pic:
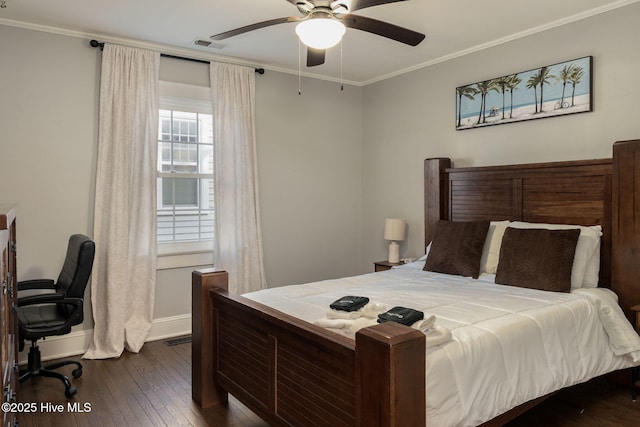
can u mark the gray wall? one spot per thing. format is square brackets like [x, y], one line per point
[48, 143]
[309, 168]
[412, 117]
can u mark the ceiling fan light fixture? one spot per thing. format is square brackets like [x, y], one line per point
[320, 33]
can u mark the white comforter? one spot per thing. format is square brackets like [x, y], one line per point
[509, 345]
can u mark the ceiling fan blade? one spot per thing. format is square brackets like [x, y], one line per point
[353, 5]
[315, 57]
[384, 29]
[255, 26]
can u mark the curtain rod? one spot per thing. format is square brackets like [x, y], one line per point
[95, 43]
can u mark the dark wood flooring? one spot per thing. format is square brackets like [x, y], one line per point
[153, 388]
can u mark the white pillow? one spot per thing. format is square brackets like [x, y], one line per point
[426, 253]
[592, 272]
[491, 249]
[584, 261]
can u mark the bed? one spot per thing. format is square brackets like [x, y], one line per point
[293, 372]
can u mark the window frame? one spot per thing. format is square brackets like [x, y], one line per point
[196, 99]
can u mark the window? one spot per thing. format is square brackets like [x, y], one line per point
[185, 177]
[185, 182]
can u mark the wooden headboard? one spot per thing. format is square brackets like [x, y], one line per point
[585, 192]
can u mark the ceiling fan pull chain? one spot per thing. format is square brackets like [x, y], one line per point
[299, 71]
[341, 82]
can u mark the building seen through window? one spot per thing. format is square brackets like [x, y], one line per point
[185, 176]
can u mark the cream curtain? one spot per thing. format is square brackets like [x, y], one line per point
[123, 280]
[238, 241]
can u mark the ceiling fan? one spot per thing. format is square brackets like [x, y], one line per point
[324, 22]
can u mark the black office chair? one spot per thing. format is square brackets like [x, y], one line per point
[54, 313]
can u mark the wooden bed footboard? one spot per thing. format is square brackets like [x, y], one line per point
[291, 372]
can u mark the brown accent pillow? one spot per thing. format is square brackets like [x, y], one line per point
[537, 258]
[456, 248]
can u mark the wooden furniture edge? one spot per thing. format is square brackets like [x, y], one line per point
[636, 314]
[625, 251]
[9, 330]
[435, 198]
[203, 389]
[387, 360]
[390, 391]
[7, 215]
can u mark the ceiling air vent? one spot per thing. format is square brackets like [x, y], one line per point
[209, 44]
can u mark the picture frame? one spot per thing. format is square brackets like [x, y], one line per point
[549, 91]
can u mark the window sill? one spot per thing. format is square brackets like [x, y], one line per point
[178, 260]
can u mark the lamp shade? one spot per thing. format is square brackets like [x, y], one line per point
[320, 33]
[394, 229]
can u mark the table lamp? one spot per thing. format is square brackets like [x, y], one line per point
[394, 232]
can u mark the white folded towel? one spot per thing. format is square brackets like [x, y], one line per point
[340, 314]
[349, 326]
[334, 323]
[437, 335]
[360, 323]
[425, 324]
[372, 309]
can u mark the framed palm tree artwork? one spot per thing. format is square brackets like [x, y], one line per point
[549, 91]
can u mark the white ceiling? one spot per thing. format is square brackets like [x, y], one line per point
[452, 27]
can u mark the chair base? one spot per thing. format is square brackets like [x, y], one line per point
[35, 369]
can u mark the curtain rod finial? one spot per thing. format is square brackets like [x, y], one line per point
[96, 43]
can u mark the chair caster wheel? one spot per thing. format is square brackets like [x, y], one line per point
[70, 391]
[77, 373]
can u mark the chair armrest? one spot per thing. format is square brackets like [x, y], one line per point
[36, 284]
[42, 299]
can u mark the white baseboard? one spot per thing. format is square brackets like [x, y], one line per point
[77, 342]
[168, 327]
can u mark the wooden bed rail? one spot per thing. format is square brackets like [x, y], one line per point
[293, 373]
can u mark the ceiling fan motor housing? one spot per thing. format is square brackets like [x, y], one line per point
[338, 7]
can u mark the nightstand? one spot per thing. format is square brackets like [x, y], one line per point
[385, 265]
[635, 372]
